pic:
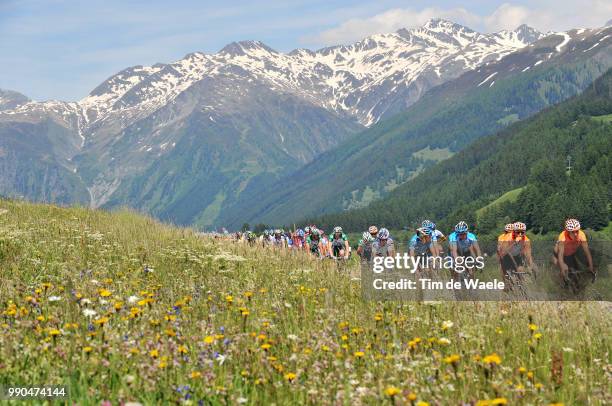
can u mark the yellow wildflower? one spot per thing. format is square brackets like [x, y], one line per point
[492, 359]
[392, 391]
[452, 359]
[104, 292]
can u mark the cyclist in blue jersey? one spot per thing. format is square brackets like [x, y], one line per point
[422, 243]
[463, 244]
[437, 237]
[299, 239]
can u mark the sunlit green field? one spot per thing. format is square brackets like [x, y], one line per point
[217, 322]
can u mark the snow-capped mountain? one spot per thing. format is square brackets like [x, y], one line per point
[374, 77]
[221, 120]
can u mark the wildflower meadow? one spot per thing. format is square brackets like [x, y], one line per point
[120, 308]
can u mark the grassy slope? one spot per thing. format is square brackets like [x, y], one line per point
[313, 318]
[605, 118]
[509, 196]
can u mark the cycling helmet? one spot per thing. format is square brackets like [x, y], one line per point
[373, 230]
[383, 234]
[300, 233]
[314, 231]
[367, 237]
[307, 230]
[509, 227]
[461, 227]
[337, 229]
[518, 226]
[572, 225]
[266, 232]
[277, 231]
[424, 231]
[428, 224]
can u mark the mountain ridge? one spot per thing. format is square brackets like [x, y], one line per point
[266, 113]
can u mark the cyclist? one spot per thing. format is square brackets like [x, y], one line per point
[324, 243]
[278, 239]
[508, 228]
[251, 237]
[514, 250]
[463, 244]
[265, 238]
[436, 235]
[289, 239]
[299, 239]
[314, 243]
[373, 230]
[422, 243]
[383, 246]
[566, 249]
[364, 250]
[338, 245]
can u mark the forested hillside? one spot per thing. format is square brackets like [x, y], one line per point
[369, 165]
[561, 158]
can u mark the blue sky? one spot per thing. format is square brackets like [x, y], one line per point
[61, 49]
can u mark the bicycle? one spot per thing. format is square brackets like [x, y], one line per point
[575, 280]
[340, 262]
[516, 280]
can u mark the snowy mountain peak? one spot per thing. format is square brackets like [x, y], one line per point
[241, 48]
[367, 80]
[442, 25]
[527, 34]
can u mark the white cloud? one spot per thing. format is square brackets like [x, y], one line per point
[545, 15]
[506, 17]
[388, 21]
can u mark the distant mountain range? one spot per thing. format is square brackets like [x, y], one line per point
[447, 119]
[186, 141]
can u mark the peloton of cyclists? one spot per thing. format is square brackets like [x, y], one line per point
[514, 249]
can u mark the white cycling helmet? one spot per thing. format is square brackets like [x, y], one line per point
[518, 226]
[572, 225]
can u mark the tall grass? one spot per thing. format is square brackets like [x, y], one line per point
[181, 318]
